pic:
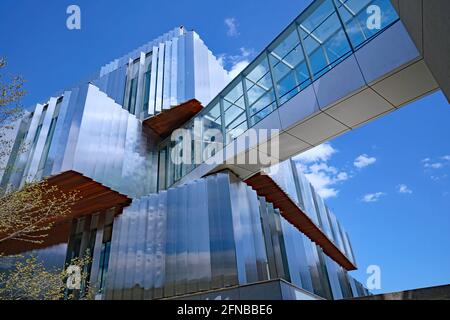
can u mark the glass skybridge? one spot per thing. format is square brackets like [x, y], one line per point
[321, 37]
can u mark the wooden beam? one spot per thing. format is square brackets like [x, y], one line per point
[94, 197]
[164, 123]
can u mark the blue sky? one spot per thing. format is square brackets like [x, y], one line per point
[388, 182]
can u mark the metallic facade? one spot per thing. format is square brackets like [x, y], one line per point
[214, 233]
[96, 128]
[170, 70]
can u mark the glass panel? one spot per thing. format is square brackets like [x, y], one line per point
[104, 257]
[131, 87]
[260, 95]
[234, 111]
[133, 92]
[290, 71]
[359, 18]
[212, 137]
[48, 141]
[323, 38]
[147, 77]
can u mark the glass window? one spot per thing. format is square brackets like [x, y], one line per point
[212, 137]
[259, 90]
[36, 135]
[234, 111]
[104, 256]
[323, 38]
[188, 167]
[290, 69]
[147, 77]
[131, 86]
[359, 18]
[132, 98]
[48, 141]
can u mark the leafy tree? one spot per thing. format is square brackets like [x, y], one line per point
[29, 279]
[28, 213]
[11, 91]
[25, 214]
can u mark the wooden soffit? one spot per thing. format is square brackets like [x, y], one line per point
[93, 197]
[164, 123]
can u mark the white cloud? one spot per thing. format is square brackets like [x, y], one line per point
[237, 68]
[322, 152]
[320, 174]
[231, 27]
[237, 62]
[438, 177]
[373, 197]
[363, 161]
[434, 165]
[326, 193]
[428, 163]
[324, 181]
[403, 188]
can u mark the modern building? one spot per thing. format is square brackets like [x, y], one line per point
[163, 229]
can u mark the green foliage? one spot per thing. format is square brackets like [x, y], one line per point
[28, 213]
[29, 279]
[11, 92]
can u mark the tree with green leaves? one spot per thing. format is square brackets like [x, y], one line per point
[29, 279]
[28, 213]
[11, 92]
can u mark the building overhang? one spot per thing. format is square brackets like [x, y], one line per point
[167, 121]
[92, 197]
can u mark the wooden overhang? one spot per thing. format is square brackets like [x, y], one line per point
[165, 122]
[265, 186]
[93, 197]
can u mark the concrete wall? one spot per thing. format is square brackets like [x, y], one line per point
[428, 23]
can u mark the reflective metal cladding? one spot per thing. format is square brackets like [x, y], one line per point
[209, 234]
